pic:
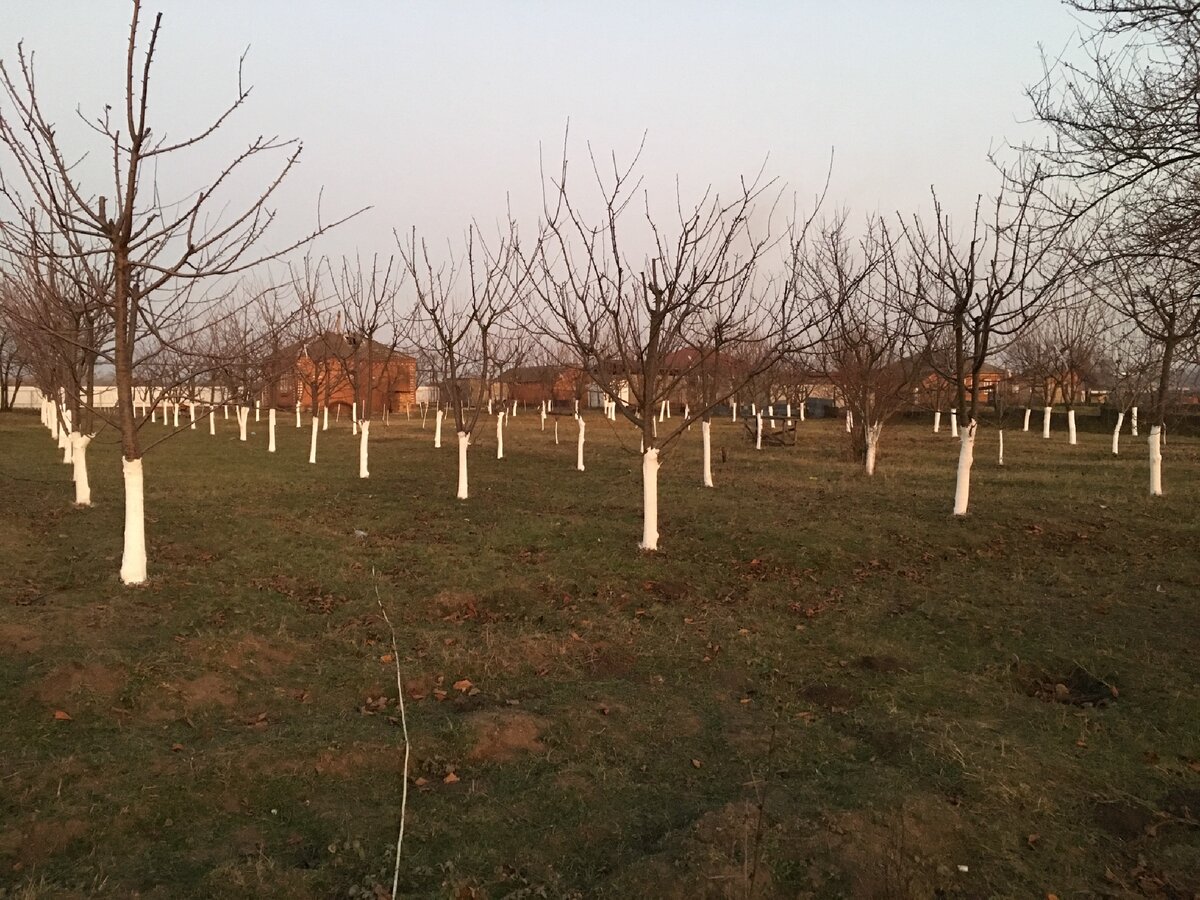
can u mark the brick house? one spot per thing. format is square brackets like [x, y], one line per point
[337, 365]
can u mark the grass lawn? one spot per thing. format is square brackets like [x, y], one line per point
[822, 686]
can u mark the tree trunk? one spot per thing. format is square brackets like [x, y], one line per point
[556, 432]
[1117, 434]
[257, 410]
[1155, 442]
[175, 415]
[1028, 412]
[966, 456]
[464, 440]
[1072, 437]
[212, 422]
[354, 418]
[706, 437]
[937, 421]
[758, 432]
[1133, 421]
[437, 429]
[271, 430]
[298, 425]
[83, 490]
[192, 416]
[579, 446]
[243, 417]
[543, 415]
[650, 499]
[872, 436]
[364, 431]
[954, 423]
[1046, 422]
[1000, 435]
[133, 556]
[500, 435]
[312, 446]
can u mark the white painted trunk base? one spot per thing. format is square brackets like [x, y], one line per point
[937, 422]
[1116, 441]
[556, 432]
[650, 500]
[1046, 422]
[243, 417]
[1133, 421]
[212, 422]
[437, 429]
[733, 406]
[298, 425]
[192, 416]
[1155, 443]
[771, 415]
[133, 554]
[954, 423]
[312, 444]
[872, 437]
[226, 408]
[1028, 413]
[83, 490]
[257, 411]
[757, 432]
[579, 446]
[364, 431]
[1072, 436]
[175, 418]
[706, 438]
[802, 405]
[354, 417]
[500, 436]
[271, 430]
[1000, 435]
[464, 440]
[966, 456]
[325, 419]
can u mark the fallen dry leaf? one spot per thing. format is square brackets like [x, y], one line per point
[62, 715]
[451, 778]
[387, 658]
[176, 748]
[463, 685]
[696, 764]
[439, 694]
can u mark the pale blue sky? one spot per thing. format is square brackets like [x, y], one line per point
[433, 112]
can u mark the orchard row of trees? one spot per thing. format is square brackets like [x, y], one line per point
[1089, 236]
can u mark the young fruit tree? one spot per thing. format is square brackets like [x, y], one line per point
[462, 314]
[624, 294]
[159, 251]
[975, 292]
[875, 353]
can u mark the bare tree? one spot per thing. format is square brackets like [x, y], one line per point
[876, 352]
[14, 366]
[624, 312]
[462, 312]
[976, 292]
[158, 251]
[367, 298]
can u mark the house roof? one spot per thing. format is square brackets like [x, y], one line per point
[525, 374]
[336, 345]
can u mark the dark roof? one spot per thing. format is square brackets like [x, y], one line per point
[525, 374]
[336, 345]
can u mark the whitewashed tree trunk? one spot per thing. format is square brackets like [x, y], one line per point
[354, 418]
[271, 430]
[312, 444]
[650, 499]
[954, 423]
[1133, 421]
[1000, 435]
[464, 440]
[1072, 437]
[325, 418]
[133, 555]
[83, 490]
[437, 429]
[175, 417]
[966, 456]
[298, 424]
[733, 406]
[514, 409]
[1155, 442]
[500, 436]
[771, 416]
[654, 426]
[1028, 413]
[154, 415]
[937, 422]
[364, 432]
[542, 415]
[788, 422]
[68, 445]
[1046, 422]
[753, 410]
[579, 446]
[192, 416]
[849, 421]
[212, 422]
[758, 431]
[489, 407]
[706, 438]
[257, 410]
[802, 405]
[872, 436]
[243, 415]
[556, 431]
[1116, 442]
[226, 408]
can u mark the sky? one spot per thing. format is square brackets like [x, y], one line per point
[435, 114]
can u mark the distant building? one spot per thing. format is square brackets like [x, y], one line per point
[341, 366]
[532, 385]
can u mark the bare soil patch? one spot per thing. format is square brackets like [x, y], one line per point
[16, 638]
[504, 735]
[103, 681]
